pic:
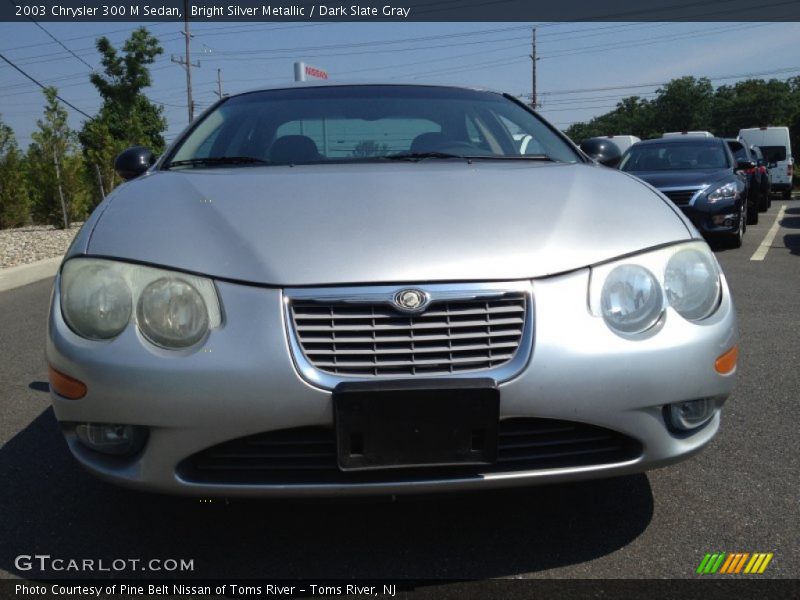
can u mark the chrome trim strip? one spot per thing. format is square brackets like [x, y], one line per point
[697, 189]
[438, 292]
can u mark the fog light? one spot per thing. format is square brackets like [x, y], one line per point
[685, 416]
[727, 220]
[118, 440]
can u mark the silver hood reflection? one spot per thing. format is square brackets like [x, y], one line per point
[381, 222]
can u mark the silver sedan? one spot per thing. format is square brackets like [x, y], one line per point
[361, 289]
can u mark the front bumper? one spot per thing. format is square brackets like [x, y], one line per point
[703, 218]
[243, 382]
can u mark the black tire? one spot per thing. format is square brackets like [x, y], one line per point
[734, 240]
[763, 202]
[752, 212]
[787, 194]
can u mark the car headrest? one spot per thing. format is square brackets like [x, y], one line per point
[294, 149]
[428, 142]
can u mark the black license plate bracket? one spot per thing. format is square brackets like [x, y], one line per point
[416, 423]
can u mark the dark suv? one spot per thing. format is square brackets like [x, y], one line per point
[762, 164]
[755, 176]
[701, 176]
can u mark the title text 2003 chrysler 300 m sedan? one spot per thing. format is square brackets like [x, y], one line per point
[368, 289]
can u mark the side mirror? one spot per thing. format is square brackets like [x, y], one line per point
[133, 162]
[744, 165]
[605, 152]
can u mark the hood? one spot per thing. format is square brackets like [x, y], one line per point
[690, 178]
[383, 222]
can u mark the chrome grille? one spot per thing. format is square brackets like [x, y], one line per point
[369, 338]
[680, 197]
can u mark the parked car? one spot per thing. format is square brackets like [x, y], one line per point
[284, 304]
[776, 146]
[762, 164]
[623, 142]
[755, 175]
[603, 150]
[702, 178]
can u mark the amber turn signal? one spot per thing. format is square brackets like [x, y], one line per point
[64, 385]
[727, 362]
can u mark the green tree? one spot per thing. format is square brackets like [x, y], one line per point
[14, 206]
[752, 103]
[684, 104]
[126, 117]
[52, 159]
[688, 103]
[632, 116]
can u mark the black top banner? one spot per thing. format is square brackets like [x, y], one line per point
[398, 10]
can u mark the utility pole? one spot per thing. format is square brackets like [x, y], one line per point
[100, 181]
[60, 190]
[186, 61]
[219, 83]
[534, 103]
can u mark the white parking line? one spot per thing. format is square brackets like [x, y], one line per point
[763, 248]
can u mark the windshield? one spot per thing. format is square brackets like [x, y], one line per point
[674, 157]
[367, 123]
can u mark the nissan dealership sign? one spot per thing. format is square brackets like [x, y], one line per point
[302, 72]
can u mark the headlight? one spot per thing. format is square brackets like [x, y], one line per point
[691, 281]
[725, 192]
[171, 313]
[173, 310]
[632, 294]
[95, 299]
[631, 300]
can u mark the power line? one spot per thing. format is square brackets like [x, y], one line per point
[85, 37]
[62, 45]
[660, 83]
[650, 41]
[43, 87]
[56, 40]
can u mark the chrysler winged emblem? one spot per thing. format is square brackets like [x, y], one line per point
[410, 300]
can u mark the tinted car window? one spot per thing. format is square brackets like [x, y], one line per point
[356, 123]
[739, 151]
[674, 156]
[774, 153]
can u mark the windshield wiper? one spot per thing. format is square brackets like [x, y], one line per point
[413, 156]
[218, 160]
[539, 157]
[420, 155]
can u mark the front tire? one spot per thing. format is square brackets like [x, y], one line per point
[734, 240]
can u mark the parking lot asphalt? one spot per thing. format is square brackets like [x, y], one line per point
[739, 495]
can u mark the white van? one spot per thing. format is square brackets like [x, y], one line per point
[623, 142]
[707, 134]
[777, 150]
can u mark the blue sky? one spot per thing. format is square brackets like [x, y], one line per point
[573, 56]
